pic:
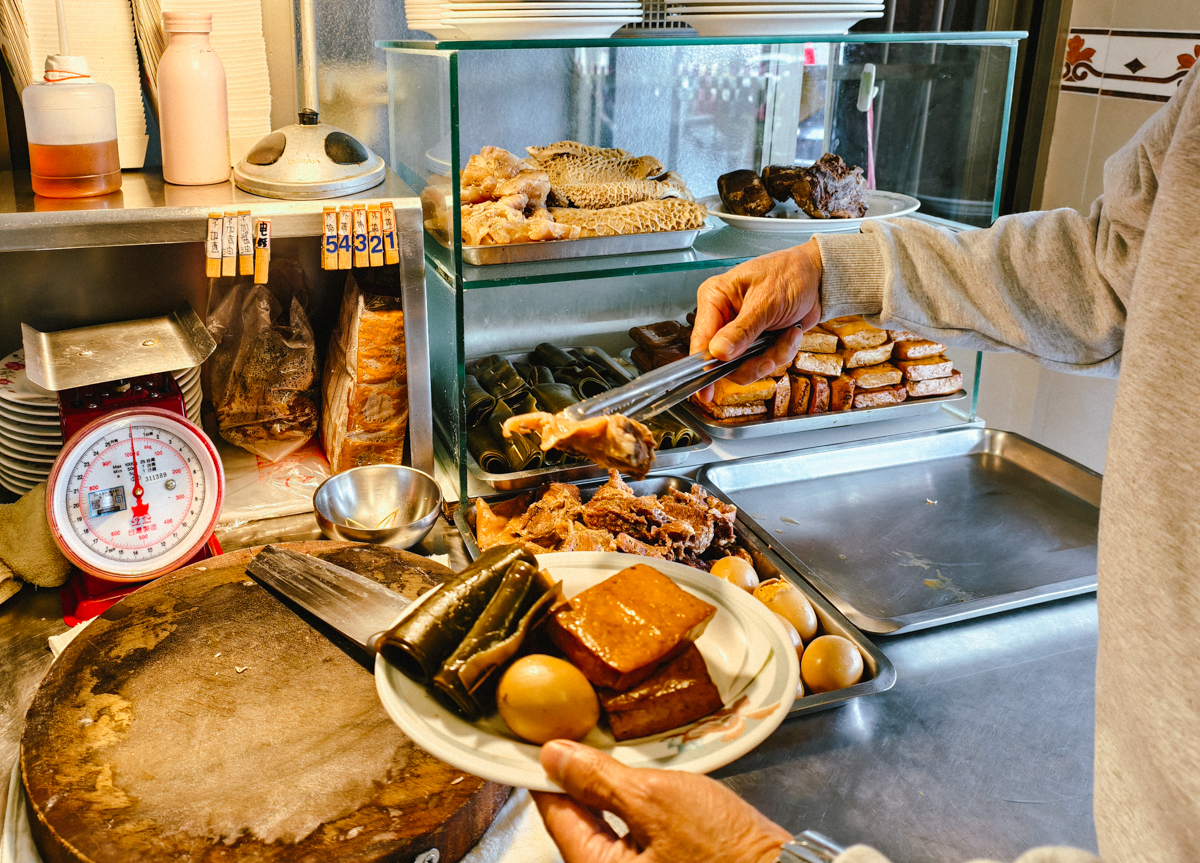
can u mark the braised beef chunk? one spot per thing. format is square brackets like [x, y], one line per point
[779, 179]
[743, 193]
[689, 527]
[831, 189]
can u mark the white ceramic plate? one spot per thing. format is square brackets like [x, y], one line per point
[16, 387]
[16, 486]
[16, 470]
[749, 656]
[22, 413]
[28, 451]
[788, 218]
[777, 24]
[23, 459]
[585, 14]
[499, 29]
[551, 6]
[780, 8]
[436, 30]
[42, 434]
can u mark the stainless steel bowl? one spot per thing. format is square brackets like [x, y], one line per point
[384, 504]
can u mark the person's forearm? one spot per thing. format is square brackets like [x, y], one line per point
[1030, 283]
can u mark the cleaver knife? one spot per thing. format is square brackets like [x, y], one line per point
[359, 608]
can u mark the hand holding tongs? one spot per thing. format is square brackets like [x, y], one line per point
[666, 386]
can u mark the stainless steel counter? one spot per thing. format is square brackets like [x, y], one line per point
[982, 749]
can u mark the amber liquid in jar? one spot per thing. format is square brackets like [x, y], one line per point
[74, 170]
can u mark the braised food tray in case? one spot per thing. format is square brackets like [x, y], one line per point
[517, 480]
[585, 247]
[878, 673]
[911, 531]
[769, 426]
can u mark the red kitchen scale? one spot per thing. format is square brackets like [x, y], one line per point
[136, 491]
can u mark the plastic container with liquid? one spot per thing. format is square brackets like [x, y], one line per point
[71, 123]
[192, 107]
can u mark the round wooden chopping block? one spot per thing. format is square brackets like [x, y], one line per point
[202, 720]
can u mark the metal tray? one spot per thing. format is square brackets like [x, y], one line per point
[877, 669]
[917, 530]
[766, 427]
[753, 428]
[106, 352]
[524, 479]
[588, 247]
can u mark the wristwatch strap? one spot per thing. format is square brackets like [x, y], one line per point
[810, 847]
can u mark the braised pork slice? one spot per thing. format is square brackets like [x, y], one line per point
[613, 441]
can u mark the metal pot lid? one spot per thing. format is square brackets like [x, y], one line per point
[308, 161]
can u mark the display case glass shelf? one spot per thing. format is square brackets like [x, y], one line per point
[702, 107]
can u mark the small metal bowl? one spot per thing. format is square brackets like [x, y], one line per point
[383, 504]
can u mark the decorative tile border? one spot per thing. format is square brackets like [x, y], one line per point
[1132, 64]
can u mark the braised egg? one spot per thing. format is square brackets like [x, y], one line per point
[784, 598]
[830, 662]
[737, 571]
[796, 643]
[544, 698]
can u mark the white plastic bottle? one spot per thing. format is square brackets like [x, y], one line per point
[192, 109]
[71, 123]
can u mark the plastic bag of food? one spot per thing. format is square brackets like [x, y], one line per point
[366, 381]
[262, 376]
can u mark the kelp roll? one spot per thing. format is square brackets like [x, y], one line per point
[497, 375]
[523, 452]
[556, 397]
[486, 450]
[553, 356]
[479, 401]
[670, 433]
[420, 643]
[496, 636]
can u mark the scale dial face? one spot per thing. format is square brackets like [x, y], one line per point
[135, 494]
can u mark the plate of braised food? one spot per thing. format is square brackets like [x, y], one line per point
[828, 195]
[657, 663]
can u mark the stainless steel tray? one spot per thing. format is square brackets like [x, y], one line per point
[917, 530]
[753, 428]
[878, 671]
[524, 479]
[766, 427]
[588, 247]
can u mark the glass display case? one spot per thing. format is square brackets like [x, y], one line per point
[703, 107]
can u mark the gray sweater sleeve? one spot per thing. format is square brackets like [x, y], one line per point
[1053, 285]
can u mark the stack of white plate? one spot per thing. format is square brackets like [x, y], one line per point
[514, 19]
[772, 17]
[30, 432]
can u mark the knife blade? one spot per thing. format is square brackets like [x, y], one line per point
[355, 606]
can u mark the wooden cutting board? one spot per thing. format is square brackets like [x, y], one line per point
[202, 720]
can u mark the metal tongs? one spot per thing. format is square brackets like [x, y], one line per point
[666, 386]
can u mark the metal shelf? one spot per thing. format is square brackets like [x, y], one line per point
[149, 211]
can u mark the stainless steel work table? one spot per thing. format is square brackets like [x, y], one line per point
[982, 749]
